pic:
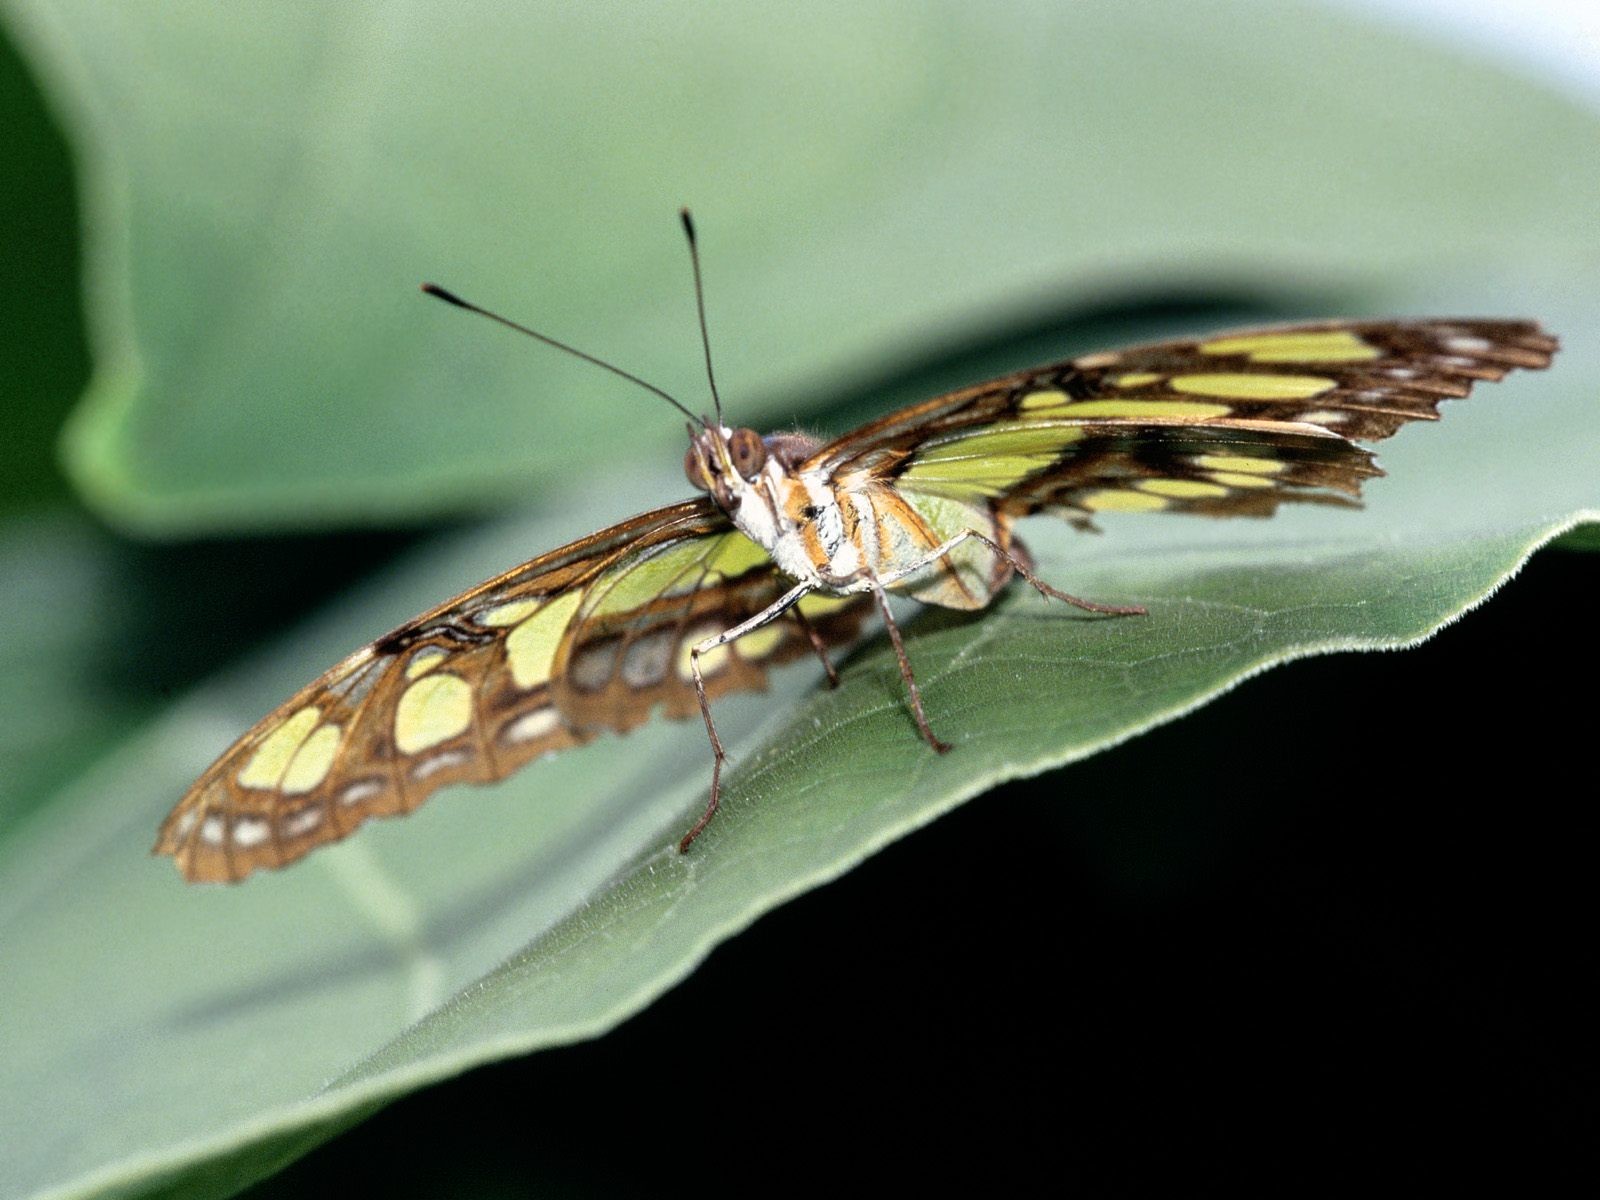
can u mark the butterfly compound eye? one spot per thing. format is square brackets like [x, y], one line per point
[749, 452]
[694, 471]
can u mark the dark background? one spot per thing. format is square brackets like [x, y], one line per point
[1356, 954]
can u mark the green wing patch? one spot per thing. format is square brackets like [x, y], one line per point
[1226, 426]
[1210, 470]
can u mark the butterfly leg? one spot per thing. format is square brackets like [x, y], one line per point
[767, 615]
[905, 667]
[1020, 567]
[817, 644]
[1024, 568]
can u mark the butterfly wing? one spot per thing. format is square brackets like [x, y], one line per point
[588, 638]
[594, 636]
[1229, 425]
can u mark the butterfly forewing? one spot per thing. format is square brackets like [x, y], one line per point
[1223, 426]
[589, 638]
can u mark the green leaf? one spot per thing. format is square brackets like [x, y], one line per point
[57, 707]
[203, 1037]
[267, 185]
[90, 651]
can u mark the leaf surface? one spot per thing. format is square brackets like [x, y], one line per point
[236, 1027]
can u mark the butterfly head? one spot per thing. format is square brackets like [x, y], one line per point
[725, 462]
[731, 464]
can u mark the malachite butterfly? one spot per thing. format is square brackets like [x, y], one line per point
[795, 541]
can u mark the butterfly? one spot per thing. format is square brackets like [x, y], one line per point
[794, 542]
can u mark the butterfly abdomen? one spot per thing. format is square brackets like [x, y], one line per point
[907, 526]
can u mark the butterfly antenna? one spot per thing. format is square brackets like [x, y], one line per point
[450, 297]
[700, 303]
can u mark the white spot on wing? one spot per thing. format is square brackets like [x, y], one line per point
[359, 791]
[303, 821]
[532, 725]
[439, 762]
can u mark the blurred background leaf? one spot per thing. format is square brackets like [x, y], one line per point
[893, 200]
[43, 359]
[267, 185]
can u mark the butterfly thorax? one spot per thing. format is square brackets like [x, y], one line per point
[840, 530]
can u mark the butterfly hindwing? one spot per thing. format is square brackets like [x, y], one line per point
[1222, 426]
[627, 650]
[589, 638]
